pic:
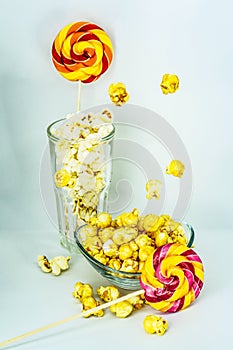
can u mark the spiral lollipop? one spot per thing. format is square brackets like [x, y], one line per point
[82, 51]
[172, 277]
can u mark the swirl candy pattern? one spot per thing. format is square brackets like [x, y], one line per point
[172, 277]
[82, 51]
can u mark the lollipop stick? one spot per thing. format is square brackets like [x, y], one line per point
[71, 318]
[79, 96]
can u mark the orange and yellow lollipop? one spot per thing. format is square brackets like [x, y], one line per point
[82, 51]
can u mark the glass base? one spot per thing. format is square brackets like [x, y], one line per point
[69, 244]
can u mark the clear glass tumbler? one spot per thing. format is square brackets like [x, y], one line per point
[81, 171]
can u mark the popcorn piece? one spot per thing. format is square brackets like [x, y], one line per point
[44, 263]
[82, 290]
[153, 188]
[124, 235]
[169, 84]
[155, 324]
[118, 94]
[122, 309]
[61, 178]
[114, 264]
[59, 264]
[129, 265]
[108, 293]
[175, 168]
[137, 302]
[89, 303]
[127, 219]
[161, 238]
[125, 251]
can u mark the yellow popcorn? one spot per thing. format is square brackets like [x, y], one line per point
[142, 240]
[161, 238]
[175, 168]
[61, 178]
[114, 264]
[82, 290]
[155, 324]
[129, 265]
[125, 251]
[44, 263]
[90, 303]
[108, 293]
[122, 309]
[169, 84]
[153, 188]
[137, 302]
[127, 219]
[118, 94]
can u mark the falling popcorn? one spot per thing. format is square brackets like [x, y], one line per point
[175, 168]
[118, 94]
[153, 188]
[169, 84]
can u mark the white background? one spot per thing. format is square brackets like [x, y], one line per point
[192, 39]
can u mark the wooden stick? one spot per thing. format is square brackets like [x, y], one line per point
[71, 318]
[79, 96]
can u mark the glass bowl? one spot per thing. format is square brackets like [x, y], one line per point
[122, 279]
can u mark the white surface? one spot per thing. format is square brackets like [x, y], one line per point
[192, 39]
[30, 299]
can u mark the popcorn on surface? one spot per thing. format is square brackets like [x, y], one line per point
[155, 324]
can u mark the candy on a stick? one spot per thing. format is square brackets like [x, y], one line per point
[172, 279]
[82, 51]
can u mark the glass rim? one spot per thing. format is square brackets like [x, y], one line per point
[57, 139]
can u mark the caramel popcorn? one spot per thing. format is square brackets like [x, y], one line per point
[155, 324]
[175, 168]
[118, 94]
[122, 309]
[153, 188]
[82, 290]
[126, 248]
[55, 265]
[81, 155]
[62, 178]
[169, 84]
[108, 293]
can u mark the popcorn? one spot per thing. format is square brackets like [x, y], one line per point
[81, 156]
[169, 84]
[155, 324]
[126, 248]
[175, 168]
[55, 265]
[61, 178]
[153, 188]
[118, 94]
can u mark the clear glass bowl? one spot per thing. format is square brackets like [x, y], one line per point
[125, 280]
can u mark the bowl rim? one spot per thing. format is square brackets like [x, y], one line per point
[118, 272]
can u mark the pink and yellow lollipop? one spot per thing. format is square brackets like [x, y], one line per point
[82, 51]
[172, 277]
